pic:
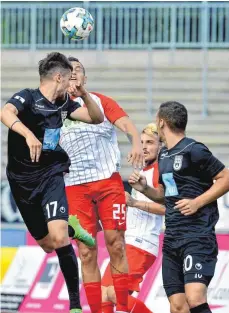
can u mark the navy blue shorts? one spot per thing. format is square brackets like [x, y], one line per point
[40, 202]
[188, 260]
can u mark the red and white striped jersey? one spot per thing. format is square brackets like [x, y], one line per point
[143, 228]
[92, 149]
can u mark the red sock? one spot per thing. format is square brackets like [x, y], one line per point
[120, 282]
[135, 306]
[94, 296]
[108, 307]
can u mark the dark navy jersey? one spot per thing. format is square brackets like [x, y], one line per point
[186, 171]
[44, 119]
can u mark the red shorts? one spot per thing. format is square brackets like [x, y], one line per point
[102, 200]
[139, 262]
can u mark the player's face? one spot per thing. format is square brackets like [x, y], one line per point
[78, 72]
[64, 82]
[150, 146]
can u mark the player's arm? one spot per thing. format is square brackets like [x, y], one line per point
[138, 182]
[92, 113]
[135, 157]
[117, 116]
[9, 117]
[218, 189]
[211, 167]
[151, 207]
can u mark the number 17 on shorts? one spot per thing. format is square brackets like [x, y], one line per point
[119, 216]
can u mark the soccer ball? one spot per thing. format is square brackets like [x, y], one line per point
[76, 23]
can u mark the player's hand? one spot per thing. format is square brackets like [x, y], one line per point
[136, 157]
[187, 206]
[76, 89]
[129, 200]
[35, 147]
[137, 181]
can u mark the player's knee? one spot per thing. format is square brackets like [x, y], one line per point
[59, 241]
[47, 249]
[195, 300]
[179, 307]
[88, 255]
[111, 294]
[116, 247]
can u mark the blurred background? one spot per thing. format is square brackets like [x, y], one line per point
[139, 53]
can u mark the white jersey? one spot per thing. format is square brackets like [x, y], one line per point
[143, 228]
[92, 149]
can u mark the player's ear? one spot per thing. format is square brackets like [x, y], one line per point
[161, 123]
[85, 80]
[57, 77]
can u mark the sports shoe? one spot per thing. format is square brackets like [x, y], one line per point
[80, 233]
[76, 311]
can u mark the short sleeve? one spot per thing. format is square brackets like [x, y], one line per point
[204, 160]
[111, 108]
[21, 100]
[72, 106]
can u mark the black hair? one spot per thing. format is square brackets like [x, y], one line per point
[54, 61]
[73, 59]
[174, 114]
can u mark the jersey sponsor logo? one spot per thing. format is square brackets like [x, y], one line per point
[170, 185]
[22, 100]
[51, 138]
[178, 162]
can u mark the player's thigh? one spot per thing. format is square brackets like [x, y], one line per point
[200, 257]
[81, 205]
[112, 203]
[172, 270]
[31, 212]
[54, 200]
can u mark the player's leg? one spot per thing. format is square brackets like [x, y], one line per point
[173, 280]
[80, 205]
[112, 212]
[55, 207]
[136, 273]
[200, 257]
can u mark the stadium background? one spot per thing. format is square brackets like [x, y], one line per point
[141, 54]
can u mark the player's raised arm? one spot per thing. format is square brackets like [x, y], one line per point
[9, 117]
[138, 182]
[150, 207]
[135, 157]
[92, 113]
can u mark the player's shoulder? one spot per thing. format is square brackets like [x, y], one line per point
[25, 96]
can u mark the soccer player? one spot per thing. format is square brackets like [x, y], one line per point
[36, 162]
[187, 170]
[94, 178]
[144, 221]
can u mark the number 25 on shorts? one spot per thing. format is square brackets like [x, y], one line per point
[119, 212]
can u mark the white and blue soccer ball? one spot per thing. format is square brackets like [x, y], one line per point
[76, 23]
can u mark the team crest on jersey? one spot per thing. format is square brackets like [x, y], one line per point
[178, 162]
[64, 115]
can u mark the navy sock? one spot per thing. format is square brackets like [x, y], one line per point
[69, 267]
[202, 308]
